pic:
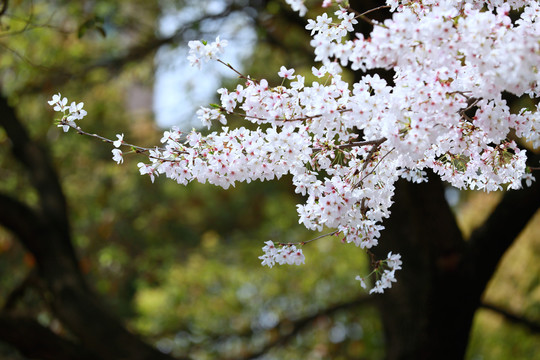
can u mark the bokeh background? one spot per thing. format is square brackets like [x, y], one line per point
[178, 265]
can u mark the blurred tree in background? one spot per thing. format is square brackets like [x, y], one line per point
[91, 253]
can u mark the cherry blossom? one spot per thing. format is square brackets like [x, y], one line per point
[70, 113]
[119, 141]
[117, 156]
[202, 51]
[282, 254]
[345, 145]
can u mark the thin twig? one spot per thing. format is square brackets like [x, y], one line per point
[376, 142]
[137, 149]
[365, 18]
[303, 118]
[471, 103]
[240, 75]
[375, 9]
[308, 241]
[373, 170]
[462, 93]
[356, 144]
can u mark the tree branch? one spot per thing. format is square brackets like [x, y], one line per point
[301, 323]
[38, 342]
[31, 280]
[488, 243]
[513, 318]
[45, 233]
[4, 7]
[114, 64]
[42, 173]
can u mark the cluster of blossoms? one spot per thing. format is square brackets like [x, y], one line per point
[70, 113]
[202, 51]
[385, 273]
[284, 254]
[345, 147]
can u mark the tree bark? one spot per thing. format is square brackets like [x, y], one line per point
[38, 342]
[428, 313]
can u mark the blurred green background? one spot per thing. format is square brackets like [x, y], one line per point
[179, 263]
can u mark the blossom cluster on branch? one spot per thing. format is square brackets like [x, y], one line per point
[347, 145]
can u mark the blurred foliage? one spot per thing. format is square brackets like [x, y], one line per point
[179, 264]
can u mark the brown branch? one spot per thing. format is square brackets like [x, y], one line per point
[38, 342]
[71, 300]
[335, 232]
[363, 16]
[375, 143]
[31, 280]
[366, 162]
[357, 144]
[513, 318]
[301, 118]
[42, 174]
[4, 7]
[114, 64]
[378, 163]
[138, 149]
[302, 323]
[240, 75]
[488, 243]
[291, 327]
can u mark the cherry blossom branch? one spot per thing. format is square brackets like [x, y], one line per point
[413, 100]
[240, 75]
[471, 103]
[302, 118]
[375, 143]
[363, 16]
[462, 93]
[373, 170]
[369, 11]
[372, 151]
[136, 148]
[308, 241]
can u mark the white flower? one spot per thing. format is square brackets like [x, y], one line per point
[297, 5]
[393, 261]
[117, 156]
[199, 51]
[120, 140]
[529, 178]
[362, 282]
[318, 72]
[286, 73]
[58, 102]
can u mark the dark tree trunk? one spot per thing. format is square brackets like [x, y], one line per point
[429, 311]
[44, 231]
[424, 316]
